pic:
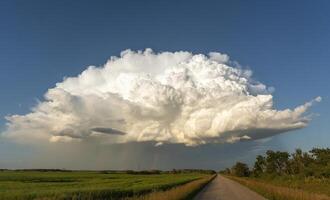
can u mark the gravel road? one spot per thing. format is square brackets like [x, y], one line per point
[222, 188]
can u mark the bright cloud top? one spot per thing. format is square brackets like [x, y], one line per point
[168, 97]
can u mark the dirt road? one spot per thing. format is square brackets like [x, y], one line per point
[222, 188]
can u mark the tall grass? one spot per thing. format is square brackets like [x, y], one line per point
[274, 192]
[182, 192]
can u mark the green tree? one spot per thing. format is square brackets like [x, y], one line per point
[240, 169]
[297, 162]
[313, 163]
[320, 167]
[225, 171]
[277, 162]
[259, 166]
[321, 156]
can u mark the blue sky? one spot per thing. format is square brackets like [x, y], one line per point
[286, 45]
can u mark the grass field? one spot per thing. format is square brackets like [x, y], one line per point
[288, 188]
[85, 185]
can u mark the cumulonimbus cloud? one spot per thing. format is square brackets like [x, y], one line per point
[168, 97]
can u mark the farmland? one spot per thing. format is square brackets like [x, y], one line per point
[87, 184]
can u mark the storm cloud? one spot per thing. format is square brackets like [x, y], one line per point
[167, 97]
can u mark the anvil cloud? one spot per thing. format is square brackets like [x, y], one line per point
[168, 97]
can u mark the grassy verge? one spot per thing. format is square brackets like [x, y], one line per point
[308, 184]
[183, 192]
[275, 192]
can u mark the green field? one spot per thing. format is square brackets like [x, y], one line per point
[85, 185]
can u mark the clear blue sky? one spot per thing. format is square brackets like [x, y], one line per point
[285, 43]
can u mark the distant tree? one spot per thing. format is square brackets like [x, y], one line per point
[320, 167]
[240, 169]
[259, 165]
[314, 163]
[277, 162]
[225, 171]
[321, 156]
[299, 161]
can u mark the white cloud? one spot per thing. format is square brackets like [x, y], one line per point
[168, 97]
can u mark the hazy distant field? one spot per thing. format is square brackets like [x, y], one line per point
[84, 185]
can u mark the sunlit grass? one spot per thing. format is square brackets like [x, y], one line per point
[287, 189]
[182, 192]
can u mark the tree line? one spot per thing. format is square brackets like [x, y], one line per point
[173, 171]
[145, 172]
[315, 162]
